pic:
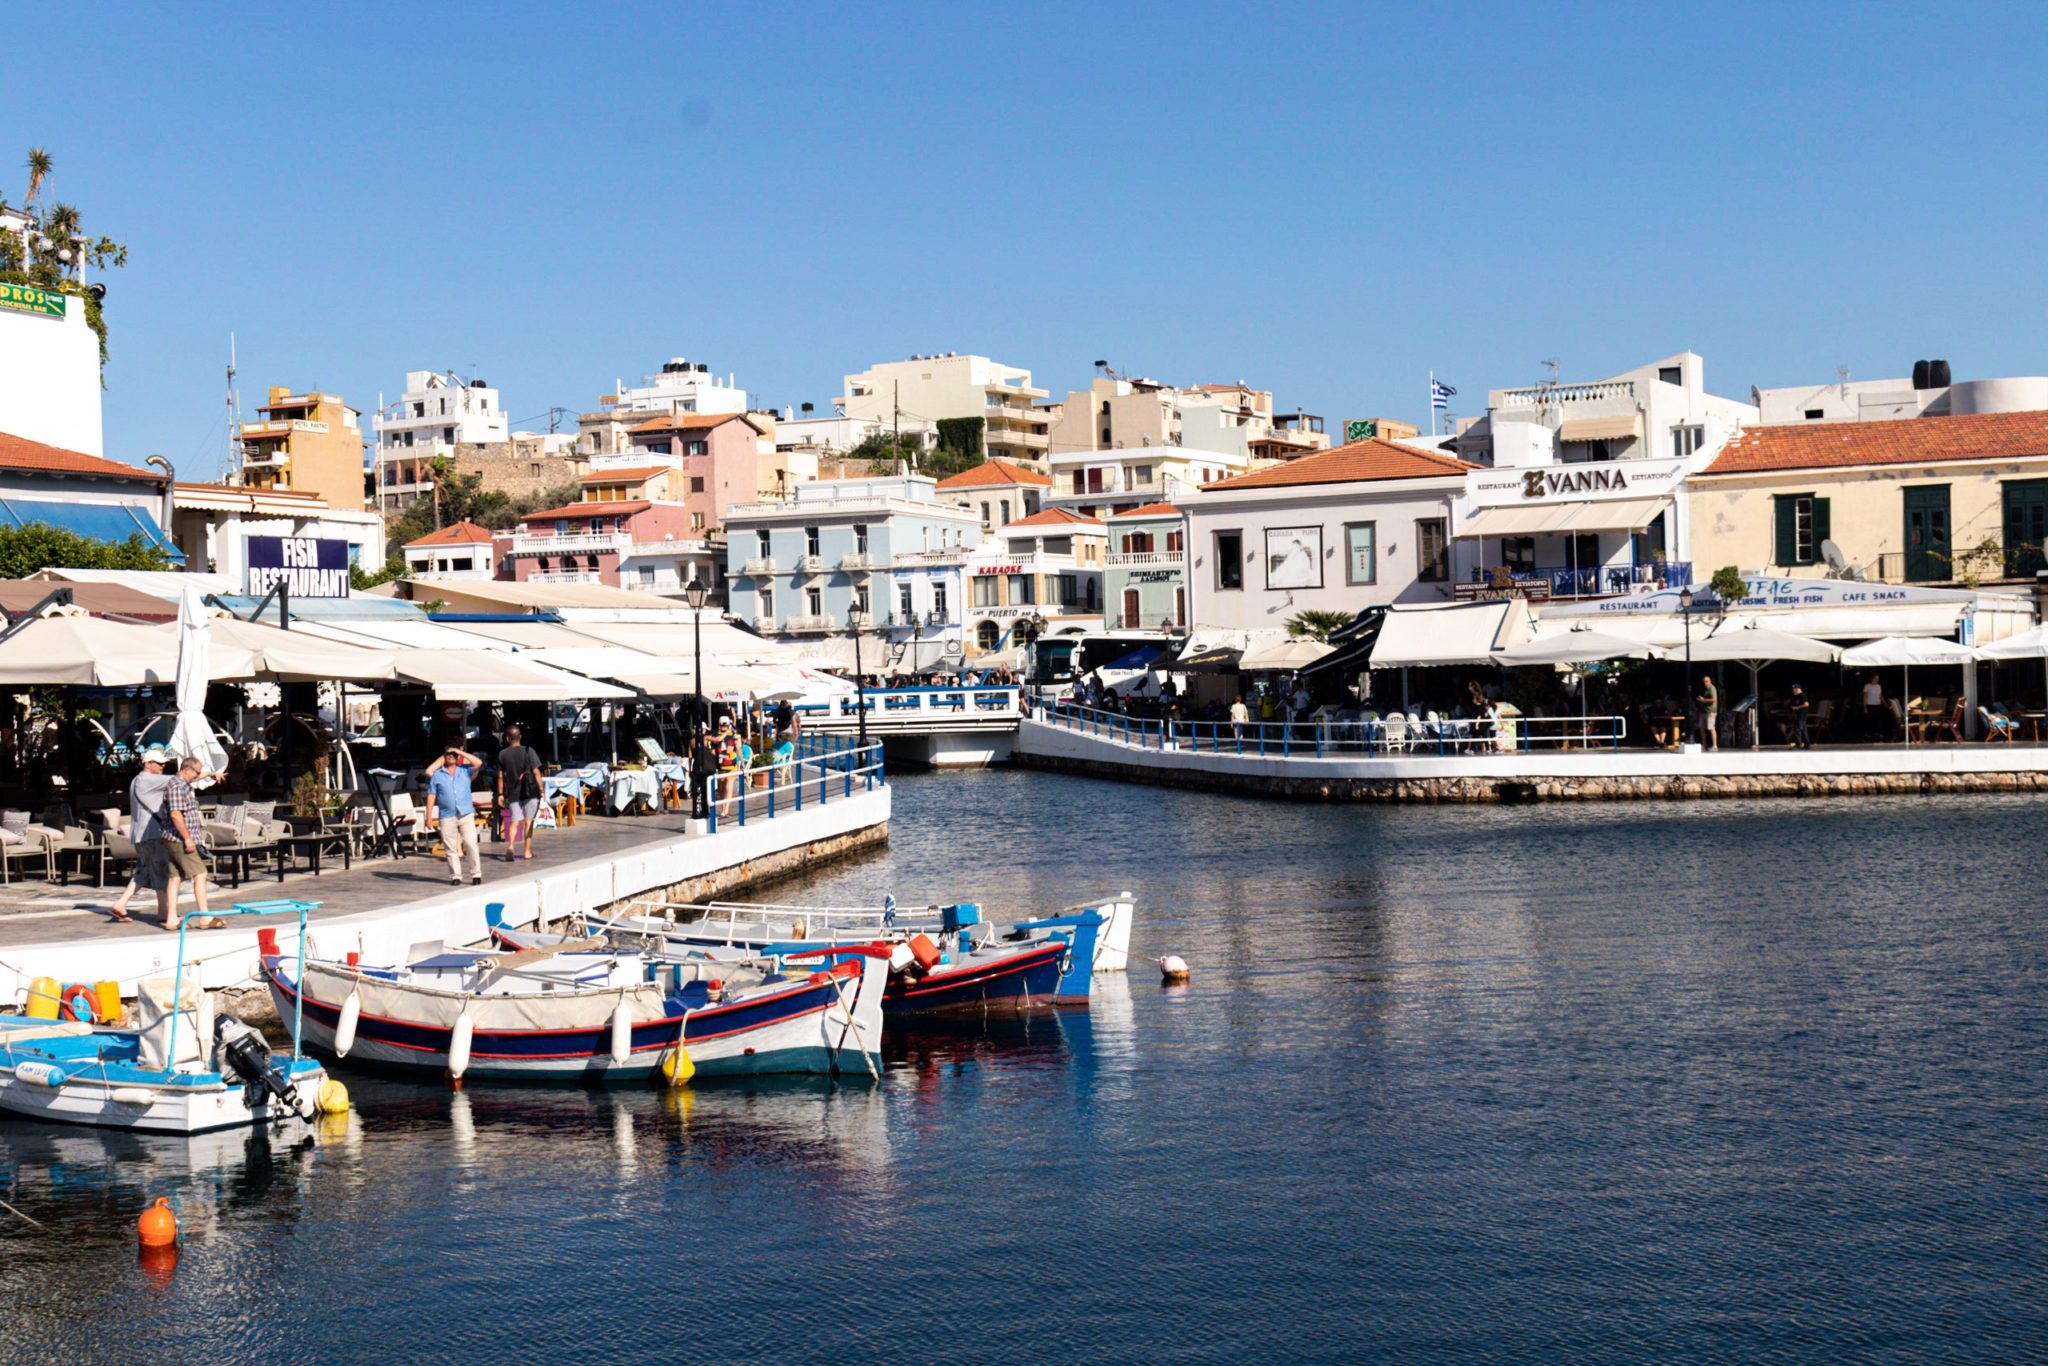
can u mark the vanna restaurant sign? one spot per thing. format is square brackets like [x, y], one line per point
[1550, 483]
[32, 299]
[1587, 482]
[309, 566]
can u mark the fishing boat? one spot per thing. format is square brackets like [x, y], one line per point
[966, 965]
[585, 1012]
[756, 926]
[179, 1071]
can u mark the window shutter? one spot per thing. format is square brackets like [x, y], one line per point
[1821, 530]
[1788, 539]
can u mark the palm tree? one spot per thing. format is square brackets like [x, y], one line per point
[1317, 625]
[38, 172]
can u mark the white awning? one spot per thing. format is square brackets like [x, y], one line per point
[1575, 646]
[1601, 428]
[1456, 633]
[1550, 519]
[494, 676]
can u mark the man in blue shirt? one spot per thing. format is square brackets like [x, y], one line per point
[452, 810]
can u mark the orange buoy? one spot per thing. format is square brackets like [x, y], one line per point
[157, 1227]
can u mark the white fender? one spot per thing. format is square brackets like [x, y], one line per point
[622, 1034]
[40, 1074]
[459, 1041]
[140, 1096]
[345, 1028]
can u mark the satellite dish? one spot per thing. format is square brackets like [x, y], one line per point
[1837, 561]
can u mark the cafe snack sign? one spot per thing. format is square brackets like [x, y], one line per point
[32, 299]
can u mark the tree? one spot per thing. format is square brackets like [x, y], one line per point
[1317, 625]
[1728, 585]
[38, 171]
[24, 550]
[882, 450]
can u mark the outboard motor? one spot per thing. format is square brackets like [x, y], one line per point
[240, 1052]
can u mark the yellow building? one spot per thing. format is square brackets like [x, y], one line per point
[306, 443]
[1960, 499]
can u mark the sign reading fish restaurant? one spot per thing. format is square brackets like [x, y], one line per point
[308, 566]
[32, 299]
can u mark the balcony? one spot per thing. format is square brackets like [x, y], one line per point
[1138, 559]
[574, 542]
[1542, 585]
[858, 560]
[1987, 562]
[810, 564]
[1542, 395]
[810, 625]
[945, 554]
[761, 566]
[264, 460]
[566, 576]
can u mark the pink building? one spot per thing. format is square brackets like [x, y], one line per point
[623, 542]
[719, 458]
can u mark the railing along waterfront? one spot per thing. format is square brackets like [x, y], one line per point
[826, 768]
[1395, 735]
[907, 705]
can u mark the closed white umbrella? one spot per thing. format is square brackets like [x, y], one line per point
[192, 735]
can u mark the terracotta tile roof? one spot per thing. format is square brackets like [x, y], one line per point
[587, 510]
[1054, 517]
[633, 475]
[684, 422]
[20, 453]
[1149, 510]
[1906, 441]
[993, 472]
[1359, 462]
[462, 533]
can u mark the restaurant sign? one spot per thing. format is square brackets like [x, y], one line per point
[1154, 576]
[999, 569]
[50, 303]
[1575, 483]
[309, 566]
[1764, 592]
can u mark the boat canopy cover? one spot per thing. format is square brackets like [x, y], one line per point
[567, 1008]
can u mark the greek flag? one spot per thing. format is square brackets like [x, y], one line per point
[1440, 395]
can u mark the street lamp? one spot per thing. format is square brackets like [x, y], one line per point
[1685, 610]
[694, 594]
[860, 686]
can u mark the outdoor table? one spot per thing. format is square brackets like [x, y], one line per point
[630, 783]
[315, 845]
[2033, 720]
[1920, 720]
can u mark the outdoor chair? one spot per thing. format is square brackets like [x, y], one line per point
[113, 847]
[1822, 722]
[1397, 732]
[1949, 724]
[22, 843]
[1997, 725]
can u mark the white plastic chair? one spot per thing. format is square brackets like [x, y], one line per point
[1397, 732]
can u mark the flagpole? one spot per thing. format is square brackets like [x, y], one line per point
[1432, 403]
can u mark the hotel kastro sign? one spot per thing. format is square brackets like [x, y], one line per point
[1552, 482]
[32, 299]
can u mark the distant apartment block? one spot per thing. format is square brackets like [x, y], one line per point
[1930, 391]
[933, 389]
[1116, 413]
[437, 413]
[304, 443]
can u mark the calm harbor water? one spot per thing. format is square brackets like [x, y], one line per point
[1716, 1081]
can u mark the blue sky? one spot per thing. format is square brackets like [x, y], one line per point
[1325, 201]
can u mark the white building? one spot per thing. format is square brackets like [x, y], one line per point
[936, 388]
[1104, 483]
[1046, 567]
[1236, 419]
[213, 523]
[1929, 392]
[681, 387]
[49, 366]
[1656, 411]
[821, 437]
[437, 412]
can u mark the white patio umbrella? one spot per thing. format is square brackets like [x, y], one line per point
[2026, 645]
[1904, 652]
[192, 734]
[1577, 646]
[1743, 640]
[68, 647]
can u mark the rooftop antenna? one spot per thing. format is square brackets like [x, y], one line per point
[1842, 378]
[234, 419]
[1547, 390]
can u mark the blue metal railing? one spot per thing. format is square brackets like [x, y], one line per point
[824, 767]
[1395, 734]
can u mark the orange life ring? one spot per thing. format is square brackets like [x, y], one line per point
[79, 1002]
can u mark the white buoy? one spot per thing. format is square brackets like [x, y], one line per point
[622, 1034]
[458, 1044]
[345, 1028]
[1173, 968]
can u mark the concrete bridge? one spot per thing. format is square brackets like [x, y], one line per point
[932, 727]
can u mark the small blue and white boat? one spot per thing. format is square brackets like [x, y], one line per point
[179, 1071]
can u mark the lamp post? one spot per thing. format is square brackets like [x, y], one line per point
[694, 594]
[860, 685]
[1685, 610]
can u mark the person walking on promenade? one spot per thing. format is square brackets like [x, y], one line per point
[451, 809]
[1708, 701]
[703, 773]
[161, 815]
[1801, 709]
[1877, 717]
[1240, 717]
[518, 792]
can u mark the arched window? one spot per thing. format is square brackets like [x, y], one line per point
[988, 635]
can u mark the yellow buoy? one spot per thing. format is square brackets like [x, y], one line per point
[333, 1097]
[677, 1067]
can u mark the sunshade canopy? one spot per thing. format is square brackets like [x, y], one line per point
[1732, 640]
[496, 676]
[1575, 647]
[248, 650]
[1544, 519]
[69, 647]
[1460, 633]
[1908, 650]
[1294, 653]
[2026, 645]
